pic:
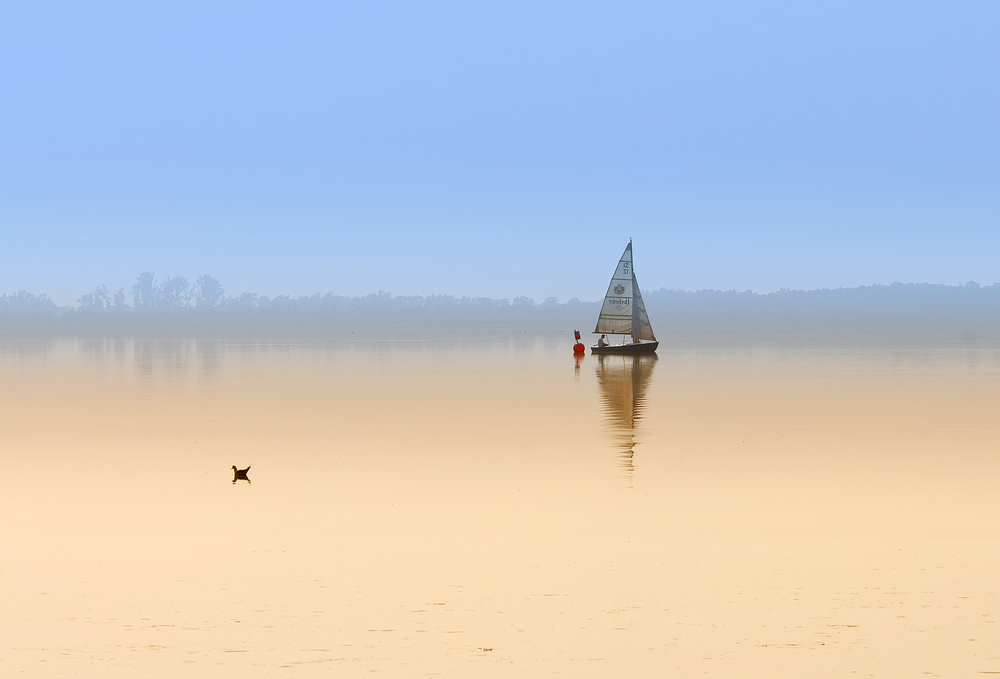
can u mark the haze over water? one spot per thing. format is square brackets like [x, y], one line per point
[496, 508]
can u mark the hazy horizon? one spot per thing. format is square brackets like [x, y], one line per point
[869, 315]
[128, 290]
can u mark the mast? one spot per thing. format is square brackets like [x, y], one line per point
[635, 290]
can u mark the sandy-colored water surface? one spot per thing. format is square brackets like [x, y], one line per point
[496, 509]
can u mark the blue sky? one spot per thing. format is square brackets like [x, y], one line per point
[498, 149]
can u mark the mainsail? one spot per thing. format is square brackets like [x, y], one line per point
[623, 312]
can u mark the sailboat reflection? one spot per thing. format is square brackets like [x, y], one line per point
[623, 380]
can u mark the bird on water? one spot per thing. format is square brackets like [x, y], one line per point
[240, 474]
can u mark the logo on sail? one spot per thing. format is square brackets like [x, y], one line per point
[619, 289]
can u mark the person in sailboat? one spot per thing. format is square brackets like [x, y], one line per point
[602, 342]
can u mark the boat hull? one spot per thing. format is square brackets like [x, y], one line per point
[640, 348]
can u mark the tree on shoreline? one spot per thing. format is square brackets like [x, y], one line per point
[144, 292]
[173, 294]
[23, 301]
[209, 292]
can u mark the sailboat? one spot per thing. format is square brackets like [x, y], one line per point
[623, 313]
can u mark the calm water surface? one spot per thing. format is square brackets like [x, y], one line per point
[496, 509]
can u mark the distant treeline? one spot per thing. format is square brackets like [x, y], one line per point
[176, 295]
[174, 307]
[893, 312]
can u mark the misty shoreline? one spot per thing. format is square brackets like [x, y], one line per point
[896, 313]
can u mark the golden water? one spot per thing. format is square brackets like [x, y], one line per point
[496, 509]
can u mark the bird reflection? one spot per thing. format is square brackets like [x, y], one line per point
[240, 474]
[623, 380]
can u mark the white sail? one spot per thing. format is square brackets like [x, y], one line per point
[623, 312]
[616, 312]
[641, 330]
